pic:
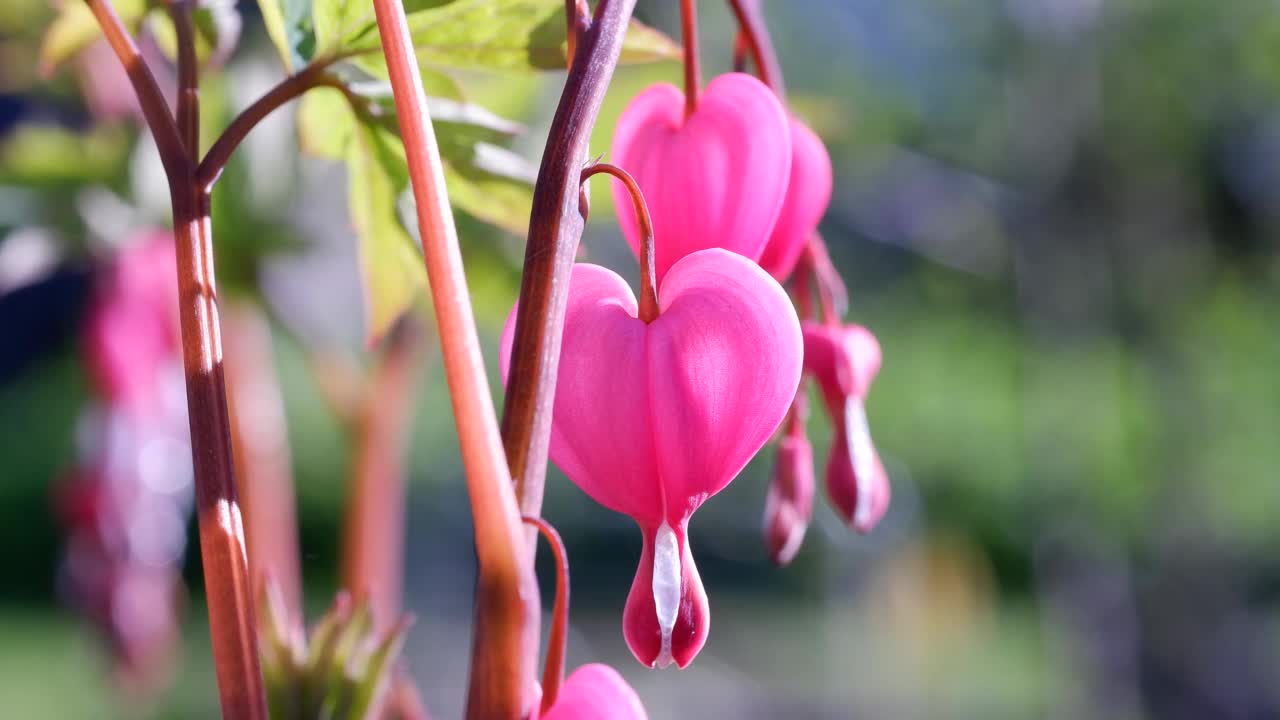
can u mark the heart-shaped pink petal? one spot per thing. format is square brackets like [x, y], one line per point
[596, 692]
[808, 195]
[652, 419]
[717, 178]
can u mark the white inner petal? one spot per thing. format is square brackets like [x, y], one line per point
[666, 587]
[862, 453]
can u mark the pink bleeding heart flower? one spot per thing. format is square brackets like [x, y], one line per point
[844, 360]
[651, 419]
[131, 329]
[717, 178]
[789, 504]
[808, 195]
[596, 692]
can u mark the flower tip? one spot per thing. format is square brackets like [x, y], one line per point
[789, 504]
[667, 618]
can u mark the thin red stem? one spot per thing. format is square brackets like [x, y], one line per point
[228, 589]
[173, 152]
[578, 19]
[505, 641]
[261, 444]
[373, 536]
[692, 72]
[555, 228]
[188, 119]
[553, 670]
[756, 33]
[648, 273]
[222, 546]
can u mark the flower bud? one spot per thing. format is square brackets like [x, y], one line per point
[789, 504]
[844, 360]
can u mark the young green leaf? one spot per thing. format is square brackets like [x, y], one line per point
[390, 265]
[291, 28]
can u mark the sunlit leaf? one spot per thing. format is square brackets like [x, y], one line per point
[390, 265]
[512, 35]
[325, 123]
[75, 27]
[491, 183]
[291, 28]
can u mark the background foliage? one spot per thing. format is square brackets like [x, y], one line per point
[1059, 217]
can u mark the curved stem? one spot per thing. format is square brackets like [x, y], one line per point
[505, 640]
[173, 152]
[648, 285]
[740, 52]
[291, 87]
[692, 73]
[553, 670]
[555, 227]
[751, 22]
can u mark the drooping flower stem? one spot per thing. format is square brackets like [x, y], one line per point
[506, 605]
[756, 36]
[692, 71]
[222, 547]
[553, 669]
[555, 227]
[648, 271]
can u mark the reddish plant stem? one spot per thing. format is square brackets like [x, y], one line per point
[553, 669]
[753, 30]
[504, 652]
[648, 271]
[188, 77]
[173, 153]
[222, 548]
[312, 76]
[692, 71]
[576, 15]
[373, 536]
[263, 472]
[555, 228]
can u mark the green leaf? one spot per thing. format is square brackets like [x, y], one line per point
[491, 183]
[325, 123]
[339, 23]
[511, 35]
[291, 28]
[390, 265]
[75, 27]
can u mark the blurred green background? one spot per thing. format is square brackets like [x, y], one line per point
[1058, 216]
